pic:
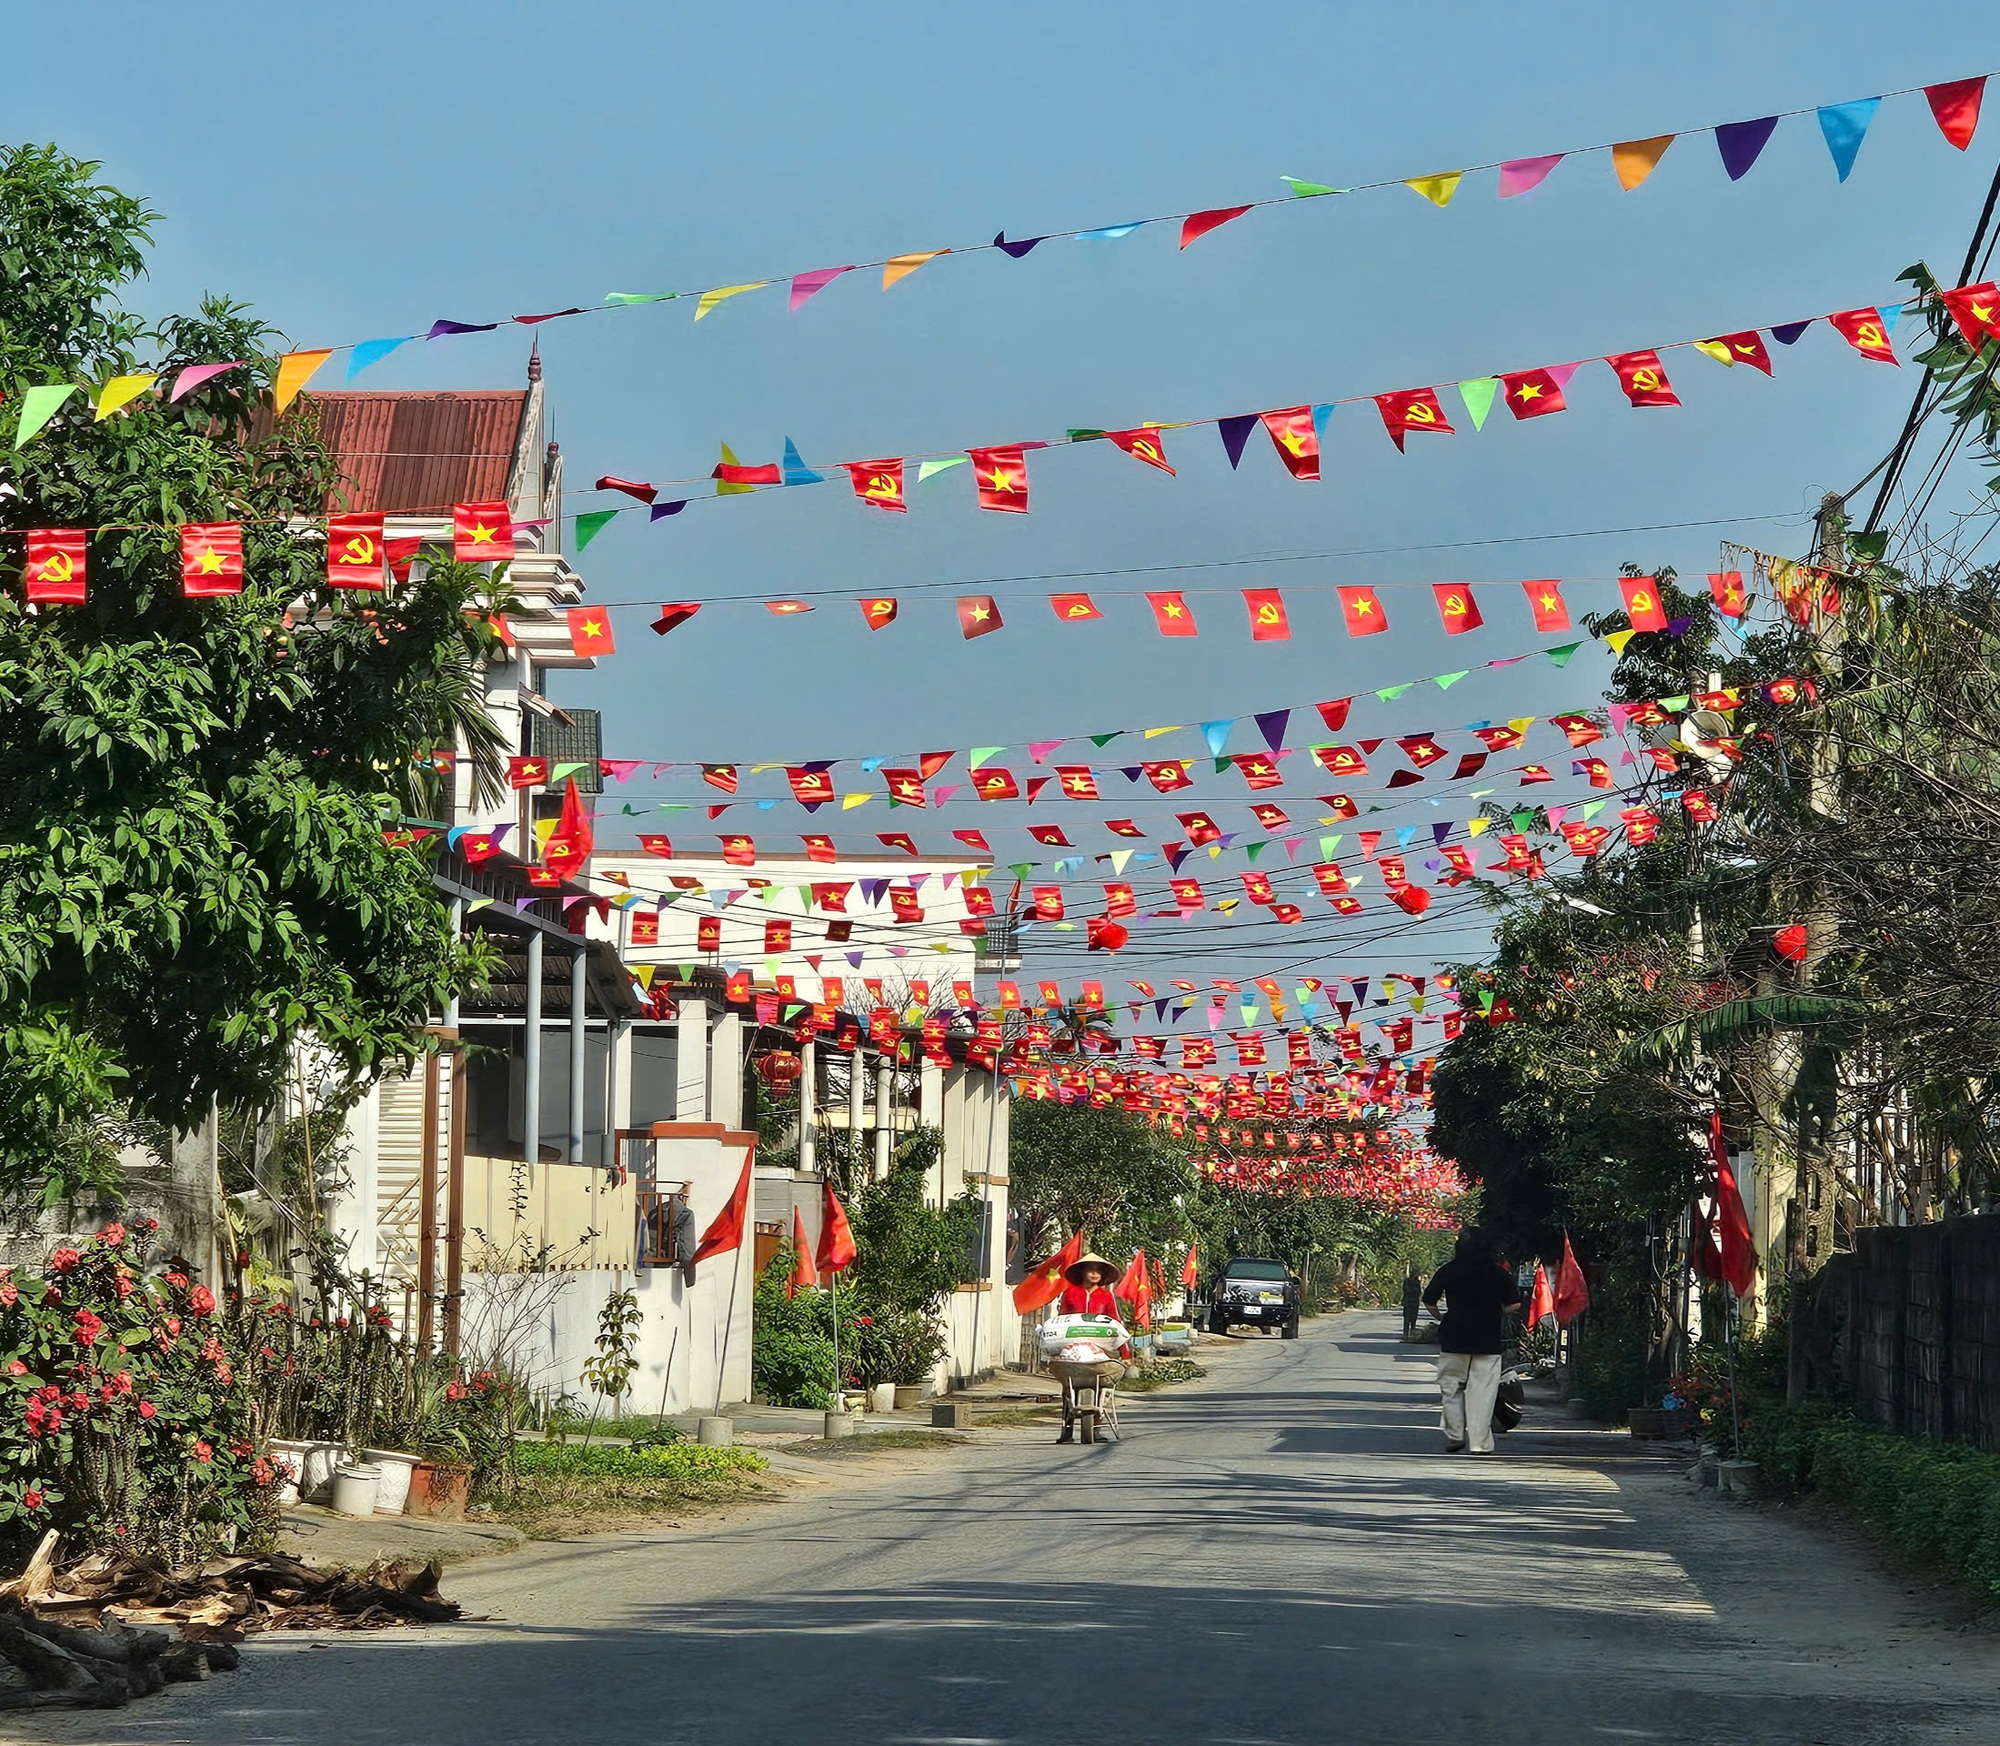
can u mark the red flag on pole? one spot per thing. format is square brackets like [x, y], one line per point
[1190, 1269]
[1137, 1290]
[1572, 1295]
[1732, 1250]
[1044, 1285]
[1542, 1299]
[726, 1232]
[836, 1239]
[570, 843]
[804, 1274]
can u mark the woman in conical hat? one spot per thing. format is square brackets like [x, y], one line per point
[1089, 1290]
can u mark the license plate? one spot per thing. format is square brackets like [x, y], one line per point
[1252, 1310]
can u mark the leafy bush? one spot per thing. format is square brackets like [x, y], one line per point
[1612, 1372]
[791, 1349]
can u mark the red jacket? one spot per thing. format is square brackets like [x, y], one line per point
[1096, 1301]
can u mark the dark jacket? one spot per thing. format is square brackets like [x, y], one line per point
[1476, 1292]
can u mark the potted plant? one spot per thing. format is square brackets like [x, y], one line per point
[915, 1343]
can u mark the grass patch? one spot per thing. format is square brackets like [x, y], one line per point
[630, 1427]
[1019, 1415]
[1160, 1373]
[556, 1489]
[874, 1442]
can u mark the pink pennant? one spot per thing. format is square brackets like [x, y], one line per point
[1040, 749]
[195, 374]
[806, 285]
[1525, 173]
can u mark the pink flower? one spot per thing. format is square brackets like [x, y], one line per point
[113, 1234]
[122, 1382]
[454, 1390]
[202, 1452]
[147, 1409]
[89, 1327]
[260, 1471]
[176, 1280]
[201, 1300]
[224, 1375]
[10, 1294]
[17, 1368]
[62, 1260]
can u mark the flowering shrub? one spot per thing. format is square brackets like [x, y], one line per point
[128, 1417]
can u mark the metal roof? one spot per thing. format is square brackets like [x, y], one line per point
[421, 451]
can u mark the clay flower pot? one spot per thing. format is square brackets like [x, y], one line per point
[439, 1489]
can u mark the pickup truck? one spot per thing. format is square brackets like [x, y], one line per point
[1255, 1292]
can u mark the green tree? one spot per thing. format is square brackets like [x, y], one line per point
[193, 794]
[1121, 1180]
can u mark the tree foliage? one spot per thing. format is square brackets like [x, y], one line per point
[193, 793]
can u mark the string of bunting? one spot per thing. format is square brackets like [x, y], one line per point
[1954, 105]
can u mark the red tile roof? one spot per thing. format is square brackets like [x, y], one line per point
[421, 451]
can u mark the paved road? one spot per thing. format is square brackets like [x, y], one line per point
[1282, 1556]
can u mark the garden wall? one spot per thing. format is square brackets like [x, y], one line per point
[1906, 1330]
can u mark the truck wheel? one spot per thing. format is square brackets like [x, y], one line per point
[1217, 1324]
[1292, 1329]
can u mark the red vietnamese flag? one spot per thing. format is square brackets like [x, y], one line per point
[57, 562]
[777, 937]
[1644, 379]
[590, 631]
[211, 559]
[1412, 409]
[1865, 331]
[1258, 769]
[1137, 1290]
[479, 847]
[1123, 827]
[836, 1237]
[878, 612]
[896, 840]
[646, 927]
[978, 900]
[1726, 586]
[1171, 615]
[1044, 1285]
[809, 787]
[1735, 1248]
[1545, 600]
[1294, 437]
[1572, 1295]
[674, 615]
[879, 483]
[739, 851]
[978, 616]
[1533, 393]
[1119, 901]
[1362, 611]
[995, 785]
[1073, 607]
[1457, 608]
[1642, 603]
[1541, 1299]
[737, 988]
[785, 608]
[1079, 782]
[1190, 1271]
[804, 1274]
[658, 845]
[570, 843]
[1642, 824]
[1421, 749]
[1002, 475]
[1738, 348]
[354, 552]
[1976, 309]
[481, 533]
[527, 772]
[1145, 444]
[906, 787]
[1271, 818]
[726, 1232]
[1268, 622]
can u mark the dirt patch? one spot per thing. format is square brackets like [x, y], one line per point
[875, 1443]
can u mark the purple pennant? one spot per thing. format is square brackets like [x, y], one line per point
[1787, 333]
[661, 509]
[806, 285]
[1160, 1011]
[1131, 772]
[1678, 627]
[1176, 853]
[872, 890]
[1271, 724]
[439, 329]
[1741, 143]
[1019, 247]
[1439, 832]
[1235, 433]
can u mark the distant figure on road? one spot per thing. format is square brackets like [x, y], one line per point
[1476, 1290]
[1413, 1301]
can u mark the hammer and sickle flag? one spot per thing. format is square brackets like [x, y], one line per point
[879, 611]
[1002, 475]
[879, 483]
[1268, 621]
[481, 533]
[1457, 608]
[810, 786]
[354, 552]
[1073, 608]
[1293, 436]
[1145, 444]
[1642, 603]
[1644, 380]
[1866, 332]
[56, 565]
[211, 559]
[996, 784]
[1412, 409]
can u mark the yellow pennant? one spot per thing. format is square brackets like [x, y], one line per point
[1154, 733]
[1438, 190]
[1636, 159]
[1473, 826]
[709, 299]
[1618, 640]
[848, 802]
[1716, 349]
[645, 974]
[122, 391]
[295, 370]
[725, 487]
[902, 266]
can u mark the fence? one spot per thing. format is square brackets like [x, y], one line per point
[1907, 1330]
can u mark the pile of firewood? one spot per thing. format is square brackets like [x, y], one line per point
[101, 1632]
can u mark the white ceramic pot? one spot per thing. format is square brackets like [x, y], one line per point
[316, 1471]
[354, 1489]
[289, 1459]
[882, 1397]
[392, 1493]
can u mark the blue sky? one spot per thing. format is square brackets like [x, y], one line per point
[363, 169]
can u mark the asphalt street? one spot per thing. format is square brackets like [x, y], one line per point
[1282, 1555]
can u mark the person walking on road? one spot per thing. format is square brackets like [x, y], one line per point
[1413, 1300]
[1477, 1291]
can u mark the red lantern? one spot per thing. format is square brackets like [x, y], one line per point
[780, 1069]
[1790, 943]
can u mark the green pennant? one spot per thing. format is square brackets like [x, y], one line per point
[1084, 436]
[626, 298]
[1102, 740]
[590, 524]
[1591, 810]
[1486, 1000]
[1304, 190]
[1478, 397]
[1523, 818]
[1673, 705]
[1223, 763]
[676, 806]
[1327, 847]
[38, 406]
[979, 754]
[1021, 869]
[562, 770]
[1561, 653]
[1252, 850]
[1389, 693]
[926, 468]
[1445, 681]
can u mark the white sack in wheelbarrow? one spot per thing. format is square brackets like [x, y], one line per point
[1058, 1331]
[1086, 1352]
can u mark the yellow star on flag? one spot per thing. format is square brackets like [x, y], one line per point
[482, 535]
[211, 562]
[1529, 391]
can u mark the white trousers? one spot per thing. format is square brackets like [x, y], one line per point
[1470, 1383]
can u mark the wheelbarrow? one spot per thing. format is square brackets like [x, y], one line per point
[1090, 1396]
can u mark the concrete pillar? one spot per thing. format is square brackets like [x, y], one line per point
[808, 1108]
[884, 1113]
[531, 1056]
[579, 1000]
[857, 1107]
[691, 1064]
[725, 1070]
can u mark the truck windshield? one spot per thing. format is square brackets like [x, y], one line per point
[1257, 1270]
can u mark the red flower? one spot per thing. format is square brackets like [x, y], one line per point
[89, 1327]
[113, 1234]
[122, 1284]
[177, 1280]
[260, 1471]
[31, 1500]
[150, 1224]
[62, 1260]
[202, 1452]
[122, 1382]
[201, 1300]
[147, 1409]
[224, 1375]
[17, 1368]
[9, 1294]
[454, 1390]
[52, 1294]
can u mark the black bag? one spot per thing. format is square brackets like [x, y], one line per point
[1508, 1404]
